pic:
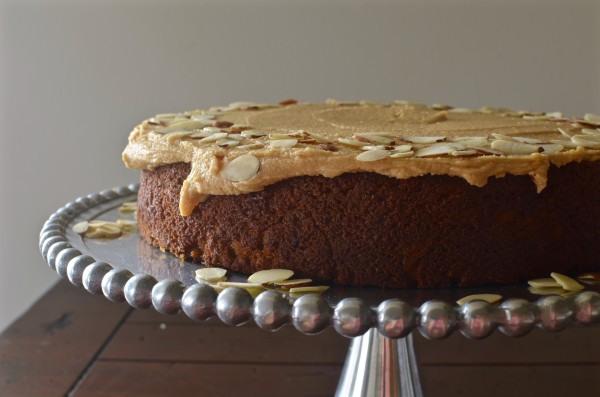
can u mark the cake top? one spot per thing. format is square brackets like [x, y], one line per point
[245, 146]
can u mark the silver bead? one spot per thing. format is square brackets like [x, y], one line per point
[63, 258]
[85, 202]
[123, 191]
[587, 307]
[395, 318]
[478, 319]
[51, 227]
[271, 310]
[49, 242]
[92, 277]
[352, 317]
[75, 207]
[113, 284]
[311, 314]
[57, 218]
[517, 317]
[109, 194]
[198, 302]
[554, 313]
[134, 187]
[66, 212]
[166, 296]
[75, 269]
[51, 233]
[53, 252]
[437, 319]
[234, 306]
[138, 291]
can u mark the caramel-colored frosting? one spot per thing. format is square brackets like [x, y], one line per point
[406, 140]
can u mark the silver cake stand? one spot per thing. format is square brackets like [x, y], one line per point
[381, 359]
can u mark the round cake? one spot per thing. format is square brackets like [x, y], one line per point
[389, 195]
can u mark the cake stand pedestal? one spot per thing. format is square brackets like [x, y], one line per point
[381, 359]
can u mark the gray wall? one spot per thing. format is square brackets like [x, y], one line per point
[75, 76]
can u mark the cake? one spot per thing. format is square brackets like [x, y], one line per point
[365, 194]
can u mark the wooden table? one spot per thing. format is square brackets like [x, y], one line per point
[71, 343]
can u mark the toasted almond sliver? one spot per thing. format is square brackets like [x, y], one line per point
[544, 283]
[352, 142]
[464, 153]
[129, 206]
[373, 155]
[211, 274]
[589, 278]
[587, 141]
[242, 168]
[490, 298]
[301, 282]
[315, 289]
[565, 132]
[437, 150]
[270, 276]
[214, 137]
[513, 147]
[283, 143]
[566, 282]
[590, 131]
[592, 118]
[551, 291]
[425, 139]
[81, 227]
[252, 134]
[397, 155]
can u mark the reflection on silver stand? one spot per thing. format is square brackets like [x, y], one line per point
[380, 366]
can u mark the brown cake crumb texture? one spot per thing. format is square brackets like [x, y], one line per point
[367, 229]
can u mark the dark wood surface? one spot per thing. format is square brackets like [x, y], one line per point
[71, 343]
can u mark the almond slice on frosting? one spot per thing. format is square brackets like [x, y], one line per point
[242, 168]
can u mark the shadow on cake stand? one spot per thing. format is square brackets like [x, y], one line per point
[381, 360]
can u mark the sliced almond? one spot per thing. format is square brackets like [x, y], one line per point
[566, 282]
[554, 115]
[551, 291]
[81, 227]
[433, 151]
[316, 289]
[352, 142]
[590, 131]
[588, 141]
[211, 274]
[227, 142]
[283, 143]
[214, 137]
[590, 278]
[592, 118]
[424, 139]
[372, 137]
[567, 144]
[186, 125]
[128, 207]
[373, 155]
[489, 298]
[486, 150]
[249, 146]
[398, 155]
[270, 276]
[471, 140]
[105, 231]
[513, 147]
[301, 282]
[544, 283]
[242, 168]
[252, 134]
[227, 284]
[565, 132]
[376, 147]
[465, 153]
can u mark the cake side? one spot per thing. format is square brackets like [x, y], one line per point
[365, 228]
